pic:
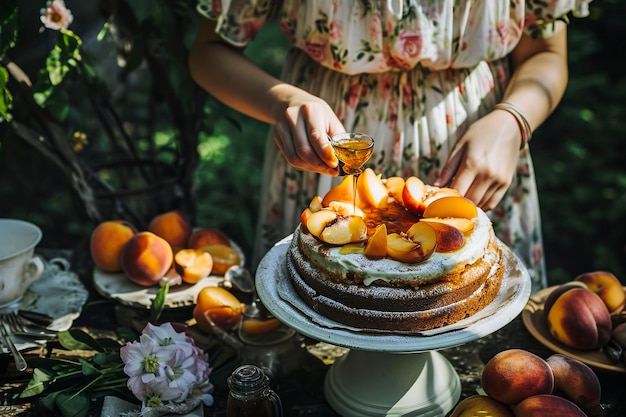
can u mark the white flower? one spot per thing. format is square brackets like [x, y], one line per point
[56, 16]
[165, 366]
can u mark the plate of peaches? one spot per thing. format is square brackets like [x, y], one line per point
[131, 266]
[583, 319]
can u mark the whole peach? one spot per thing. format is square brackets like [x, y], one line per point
[579, 319]
[207, 236]
[107, 242]
[481, 405]
[576, 380]
[545, 405]
[608, 287]
[146, 258]
[557, 292]
[171, 226]
[515, 374]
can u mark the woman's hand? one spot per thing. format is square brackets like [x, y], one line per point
[301, 133]
[482, 164]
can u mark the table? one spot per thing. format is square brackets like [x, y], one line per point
[300, 364]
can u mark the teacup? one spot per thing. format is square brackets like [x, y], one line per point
[19, 265]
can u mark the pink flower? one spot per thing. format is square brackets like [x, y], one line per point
[56, 16]
[335, 31]
[316, 46]
[408, 46]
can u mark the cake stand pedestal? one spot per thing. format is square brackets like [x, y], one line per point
[389, 374]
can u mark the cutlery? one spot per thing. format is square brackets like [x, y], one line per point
[20, 362]
[22, 327]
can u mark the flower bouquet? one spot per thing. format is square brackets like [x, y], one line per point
[163, 372]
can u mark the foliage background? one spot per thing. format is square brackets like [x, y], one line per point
[579, 153]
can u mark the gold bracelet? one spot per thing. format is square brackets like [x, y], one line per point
[523, 123]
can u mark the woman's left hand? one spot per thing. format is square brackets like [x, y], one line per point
[482, 163]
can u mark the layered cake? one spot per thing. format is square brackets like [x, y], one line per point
[407, 257]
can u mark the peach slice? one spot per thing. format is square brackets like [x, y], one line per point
[257, 327]
[433, 194]
[449, 238]
[316, 203]
[344, 191]
[317, 221]
[304, 216]
[193, 264]
[346, 229]
[223, 257]
[464, 225]
[395, 185]
[376, 246]
[414, 246]
[371, 190]
[345, 209]
[453, 206]
[413, 195]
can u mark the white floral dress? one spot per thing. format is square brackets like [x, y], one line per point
[412, 74]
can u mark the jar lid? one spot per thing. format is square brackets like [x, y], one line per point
[247, 378]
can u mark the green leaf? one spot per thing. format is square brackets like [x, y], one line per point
[104, 358]
[158, 303]
[87, 368]
[71, 405]
[37, 384]
[6, 99]
[49, 401]
[75, 339]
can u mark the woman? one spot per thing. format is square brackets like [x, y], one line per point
[450, 91]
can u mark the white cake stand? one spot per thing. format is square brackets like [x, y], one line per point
[389, 374]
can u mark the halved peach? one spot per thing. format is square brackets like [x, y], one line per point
[223, 257]
[449, 238]
[416, 245]
[433, 194]
[395, 186]
[345, 229]
[193, 264]
[464, 225]
[453, 206]
[345, 209]
[413, 195]
[344, 191]
[256, 326]
[372, 192]
[316, 222]
[376, 246]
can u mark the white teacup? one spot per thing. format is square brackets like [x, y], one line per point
[19, 266]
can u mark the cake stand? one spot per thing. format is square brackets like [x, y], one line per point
[390, 374]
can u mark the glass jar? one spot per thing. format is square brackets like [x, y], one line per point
[250, 394]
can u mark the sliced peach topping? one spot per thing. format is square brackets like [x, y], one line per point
[317, 221]
[316, 203]
[345, 209]
[449, 238]
[344, 191]
[414, 246]
[371, 190]
[413, 195]
[453, 206]
[464, 225]
[193, 264]
[376, 246]
[395, 185]
[345, 230]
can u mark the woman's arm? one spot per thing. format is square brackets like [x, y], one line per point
[483, 162]
[302, 121]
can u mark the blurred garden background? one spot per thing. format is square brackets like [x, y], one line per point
[102, 121]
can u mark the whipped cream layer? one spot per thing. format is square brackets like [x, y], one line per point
[328, 257]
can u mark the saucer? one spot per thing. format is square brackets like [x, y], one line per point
[58, 293]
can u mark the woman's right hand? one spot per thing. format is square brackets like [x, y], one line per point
[301, 133]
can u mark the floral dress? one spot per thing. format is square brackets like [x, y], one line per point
[412, 74]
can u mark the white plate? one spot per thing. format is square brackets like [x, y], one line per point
[58, 293]
[278, 295]
[118, 287]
